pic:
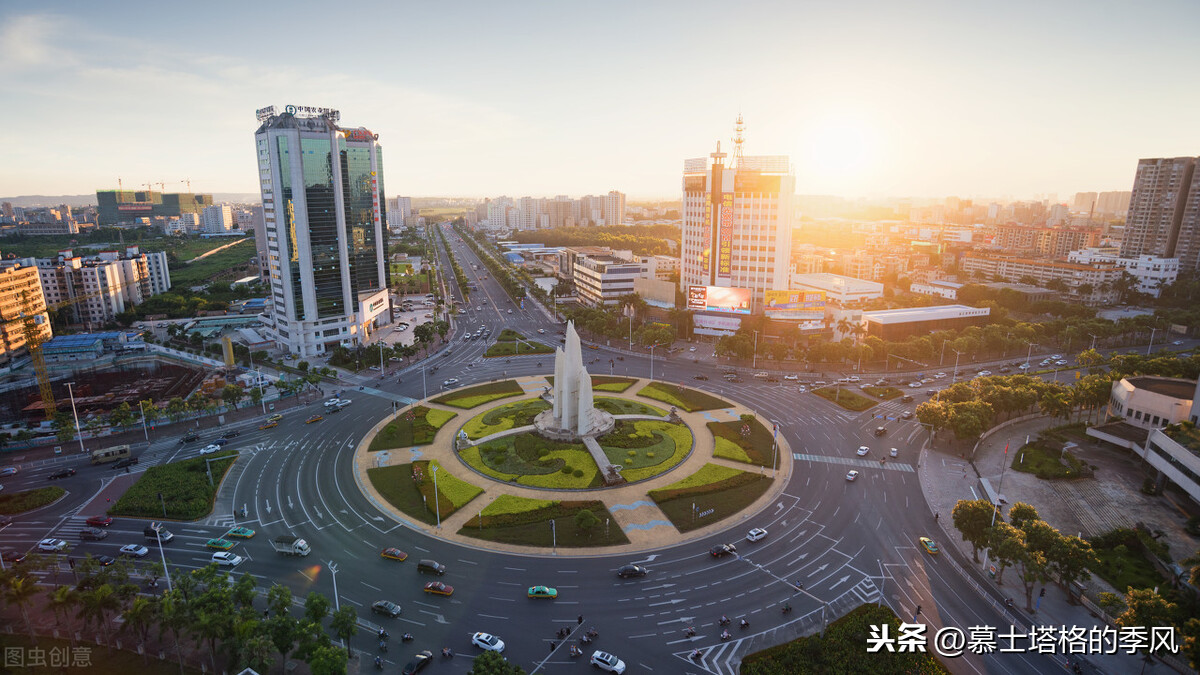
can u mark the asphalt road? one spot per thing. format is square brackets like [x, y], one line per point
[833, 544]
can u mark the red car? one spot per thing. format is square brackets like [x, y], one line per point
[99, 521]
[438, 588]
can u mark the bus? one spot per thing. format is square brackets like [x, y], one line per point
[106, 455]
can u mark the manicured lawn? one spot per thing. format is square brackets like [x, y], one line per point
[397, 486]
[606, 383]
[885, 393]
[532, 527]
[1043, 462]
[690, 400]
[184, 487]
[27, 500]
[508, 335]
[621, 406]
[683, 502]
[402, 432]
[473, 396]
[843, 650]
[450, 489]
[656, 447]
[216, 264]
[504, 417]
[754, 448]
[846, 398]
[514, 504]
[531, 460]
[1123, 561]
[517, 348]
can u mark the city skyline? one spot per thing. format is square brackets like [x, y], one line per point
[535, 101]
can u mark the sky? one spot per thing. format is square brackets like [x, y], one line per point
[481, 99]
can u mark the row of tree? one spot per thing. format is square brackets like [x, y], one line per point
[205, 608]
[641, 239]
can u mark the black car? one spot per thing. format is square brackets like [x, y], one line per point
[700, 377]
[627, 571]
[906, 399]
[14, 556]
[721, 550]
[419, 661]
[92, 534]
[105, 560]
[61, 473]
[772, 378]
[189, 437]
[128, 461]
[231, 434]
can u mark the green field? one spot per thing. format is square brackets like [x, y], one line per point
[531, 526]
[757, 447]
[710, 495]
[28, 500]
[691, 400]
[885, 393]
[226, 266]
[186, 493]
[473, 396]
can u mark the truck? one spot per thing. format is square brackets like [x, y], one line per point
[289, 545]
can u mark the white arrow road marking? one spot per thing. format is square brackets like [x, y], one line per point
[818, 570]
[649, 558]
[659, 604]
[840, 581]
[290, 505]
[655, 588]
[268, 505]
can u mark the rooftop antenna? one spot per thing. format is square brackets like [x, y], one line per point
[737, 143]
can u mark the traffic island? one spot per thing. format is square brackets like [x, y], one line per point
[845, 398]
[476, 396]
[28, 500]
[545, 523]
[410, 488]
[182, 490]
[745, 440]
[711, 494]
[684, 398]
[415, 426]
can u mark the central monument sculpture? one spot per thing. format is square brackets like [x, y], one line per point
[573, 415]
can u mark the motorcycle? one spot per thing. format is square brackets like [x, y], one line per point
[586, 640]
[378, 663]
[745, 624]
[695, 655]
[723, 621]
[447, 652]
[593, 633]
[407, 637]
[690, 632]
[787, 608]
[574, 651]
[725, 635]
[383, 645]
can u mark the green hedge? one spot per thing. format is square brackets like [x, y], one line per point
[606, 382]
[706, 475]
[755, 448]
[453, 493]
[532, 527]
[28, 500]
[403, 433]
[683, 398]
[396, 485]
[672, 444]
[843, 650]
[514, 504]
[532, 460]
[846, 398]
[508, 335]
[517, 348]
[623, 406]
[473, 396]
[184, 487]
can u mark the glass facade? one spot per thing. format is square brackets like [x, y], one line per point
[322, 226]
[358, 189]
[289, 222]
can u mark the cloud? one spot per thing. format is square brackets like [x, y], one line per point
[29, 41]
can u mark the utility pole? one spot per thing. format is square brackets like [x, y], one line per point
[78, 431]
[754, 361]
[1029, 354]
[954, 377]
[1152, 331]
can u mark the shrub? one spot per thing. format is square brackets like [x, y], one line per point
[28, 500]
[578, 473]
[683, 398]
[184, 486]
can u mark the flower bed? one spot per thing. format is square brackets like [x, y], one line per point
[452, 492]
[657, 447]
[397, 487]
[403, 432]
[484, 393]
[683, 398]
[538, 462]
[622, 406]
[505, 417]
[711, 494]
[531, 526]
[756, 447]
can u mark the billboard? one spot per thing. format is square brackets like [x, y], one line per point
[794, 305]
[725, 238]
[706, 237]
[719, 299]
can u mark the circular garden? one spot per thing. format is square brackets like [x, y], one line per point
[498, 444]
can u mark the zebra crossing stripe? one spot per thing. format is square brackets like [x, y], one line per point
[860, 463]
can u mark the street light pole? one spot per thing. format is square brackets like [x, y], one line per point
[652, 361]
[954, 377]
[258, 381]
[1029, 354]
[942, 358]
[1152, 331]
[424, 389]
[437, 503]
[78, 431]
[142, 407]
[754, 361]
[1093, 340]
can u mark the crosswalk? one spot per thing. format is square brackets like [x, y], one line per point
[855, 462]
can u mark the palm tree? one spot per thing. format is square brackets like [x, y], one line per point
[140, 616]
[61, 601]
[96, 604]
[20, 592]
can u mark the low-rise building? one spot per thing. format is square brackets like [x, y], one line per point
[1092, 283]
[1151, 272]
[603, 279]
[939, 287]
[838, 289]
[1175, 453]
[1151, 402]
[898, 324]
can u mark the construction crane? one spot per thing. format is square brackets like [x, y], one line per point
[31, 321]
[189, 184]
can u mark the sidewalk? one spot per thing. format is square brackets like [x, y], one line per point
[631, 508]
[947, 477]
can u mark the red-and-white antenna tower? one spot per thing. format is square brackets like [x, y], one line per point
[738, 139]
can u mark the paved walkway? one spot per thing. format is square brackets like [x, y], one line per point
[631, 508]
[946, 477]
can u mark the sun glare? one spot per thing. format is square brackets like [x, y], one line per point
[839, 148]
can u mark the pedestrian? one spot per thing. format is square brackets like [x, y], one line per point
[553, 646]
[266, 613]
[580, 620]
[936, 516]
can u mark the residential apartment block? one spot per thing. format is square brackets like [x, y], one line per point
[1152, 273]
[103, 285]
[1164, 211]
[1100, 277]
[20, 295]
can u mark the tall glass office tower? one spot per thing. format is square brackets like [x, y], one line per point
[325, 223]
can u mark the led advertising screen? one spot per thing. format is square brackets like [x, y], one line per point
[794, 305]
[719, 299]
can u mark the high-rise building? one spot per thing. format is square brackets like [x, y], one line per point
[218, 218]
[20, 294]
[614, 208]
[127, 206]
[1155, 224]
[1113, 203]
[323, 209]
[737, 223]
[1085, 202]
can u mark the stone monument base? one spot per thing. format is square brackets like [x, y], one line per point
[546, 425]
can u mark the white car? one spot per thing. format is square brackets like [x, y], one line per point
[488, 642]
[134, 550]
[225, 558]
[510, 311]
[331, 402]
[1024, 366]
[52, 545]
[802, 389]
[851, 476]
[606, 661]
[757, 534]
[343, 402]
[1177, 342]
[914, 385]
[863, 451]
[209, 449]
[691, 349]
[541, 331]
[895, 452]
[940, 375]
[791, 377]
[450, 382]
[984, 373]
[854, 378]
